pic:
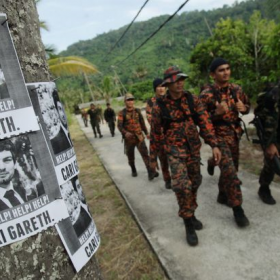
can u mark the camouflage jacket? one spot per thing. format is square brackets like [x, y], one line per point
[94, 115]
[182, 137]
[149, 107]
[133, 123]
[268, 109]
[229, 123]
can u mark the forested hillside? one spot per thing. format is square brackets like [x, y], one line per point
[173, 45]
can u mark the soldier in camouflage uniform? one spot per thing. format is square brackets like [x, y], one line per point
[224, 101]
[159, 92]
[268, 112]
[94, 120]
[177, 114]
[131, 124]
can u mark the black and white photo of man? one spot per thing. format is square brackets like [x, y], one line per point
[13, 192]
[4, 93]
[79, 190]
[78, 211]
[54, 117]
[10, 195]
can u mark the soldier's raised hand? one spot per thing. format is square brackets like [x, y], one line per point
[221, 108]
[240, 106]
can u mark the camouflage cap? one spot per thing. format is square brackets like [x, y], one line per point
[172, 75]
[128, 96]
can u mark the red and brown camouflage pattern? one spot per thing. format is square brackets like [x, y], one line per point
[141, 147]
[181, 138]
[228, 138]
[229, 183]
[186, 178]
[267, 173]
[208, 99]
[161, 153]
[134, 123]
[149, 108]
[182, 145]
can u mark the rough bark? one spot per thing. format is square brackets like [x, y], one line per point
[43, 255]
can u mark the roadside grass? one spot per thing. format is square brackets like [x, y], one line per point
[124, 252]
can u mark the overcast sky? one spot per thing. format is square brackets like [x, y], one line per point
[70, 21]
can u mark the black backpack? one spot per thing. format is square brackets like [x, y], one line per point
[167, 119]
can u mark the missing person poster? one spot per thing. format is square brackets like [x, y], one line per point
[49, 109]
[17, 115]
[30, 199]
[78, 233]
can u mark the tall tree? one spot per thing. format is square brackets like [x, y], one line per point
[43, 255]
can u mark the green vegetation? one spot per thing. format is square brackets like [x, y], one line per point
[247, 46]
[248, 39]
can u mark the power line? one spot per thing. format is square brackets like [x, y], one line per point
[128, 27]
[154, 33]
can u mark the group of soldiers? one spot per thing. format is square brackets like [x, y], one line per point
[96, 117]
[177, 120]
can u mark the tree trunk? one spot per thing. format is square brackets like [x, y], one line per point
[43, 255]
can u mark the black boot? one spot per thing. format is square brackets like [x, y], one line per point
[100, 135]
[210, 167]
[222, 198]
[191, 237]
[265, 195]
[240, 218]
[133, 170]
[196, 223]
[152, 174]
[168, 184]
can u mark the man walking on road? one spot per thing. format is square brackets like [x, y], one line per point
[110, 118]
[177, 115]
[131, 124]
[159, 93]
[94, 120]
[224, 102]
[268, 113]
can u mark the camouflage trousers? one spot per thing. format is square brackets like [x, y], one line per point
[229, 183]
[267, 173]
[164, 164]
[186, 178]
[96, 128]
[141, 147]
[111, 124]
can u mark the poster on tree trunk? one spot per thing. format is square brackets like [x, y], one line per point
[17, 115]
[49, 109]
[30, 199]
[78, 233]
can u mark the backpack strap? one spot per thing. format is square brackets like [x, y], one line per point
[150, 102]
[190, 101]
[124, 117]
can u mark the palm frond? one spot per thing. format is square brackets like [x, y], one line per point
[65, 66]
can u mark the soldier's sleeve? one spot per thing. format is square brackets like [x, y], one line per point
[120, 123]
[155, 134]
[142, 123]
[206, 97]
[105, 115]
[269, 119]
[114, 115]
[207, 131]
[245, 99]
[149, 112]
